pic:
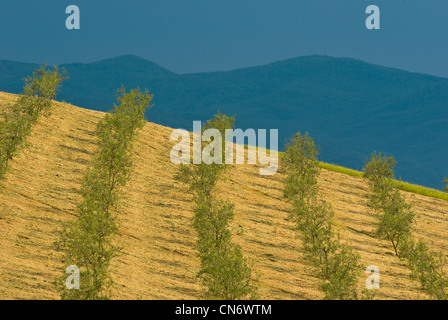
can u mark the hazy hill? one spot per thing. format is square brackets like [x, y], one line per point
[351, 107]
[159, 262]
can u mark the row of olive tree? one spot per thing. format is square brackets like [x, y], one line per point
[89, 241]
[39, 91]
[225, 273]
[395, 216]
[337, 265]
[395, 219]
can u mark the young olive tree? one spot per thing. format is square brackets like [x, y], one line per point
[337, 265]
[395, 220]
[39, 91]
[300, 161]
[89, 242]
[428, 266]
[225, 273]
[395, 216]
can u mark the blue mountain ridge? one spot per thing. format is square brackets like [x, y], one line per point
[349, 106]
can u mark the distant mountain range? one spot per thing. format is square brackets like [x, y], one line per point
[350, 107]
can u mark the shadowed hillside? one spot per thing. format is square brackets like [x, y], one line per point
[350, 107]
[159, 262]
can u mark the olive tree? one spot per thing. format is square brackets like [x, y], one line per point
[395, 216]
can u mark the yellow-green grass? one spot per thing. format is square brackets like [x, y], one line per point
[401, 185]
[405, 186]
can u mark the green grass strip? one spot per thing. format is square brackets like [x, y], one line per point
[401, 185]
[405, 186]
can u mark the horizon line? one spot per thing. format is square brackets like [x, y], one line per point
[229, 70]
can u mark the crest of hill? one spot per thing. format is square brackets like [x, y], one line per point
[159, 260]
[128, 65]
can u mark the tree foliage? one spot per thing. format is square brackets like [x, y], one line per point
[395, 216]
[38, 92]
[225, 273]
[89, 241]
[427, 266]
[395, 220]
[337, 265]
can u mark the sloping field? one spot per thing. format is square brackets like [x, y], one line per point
[158, 259]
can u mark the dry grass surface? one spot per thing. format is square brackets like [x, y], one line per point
[158, 261]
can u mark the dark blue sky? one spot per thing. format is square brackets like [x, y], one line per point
[209, 35]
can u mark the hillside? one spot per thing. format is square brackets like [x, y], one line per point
[158, 260]
[351, 107]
